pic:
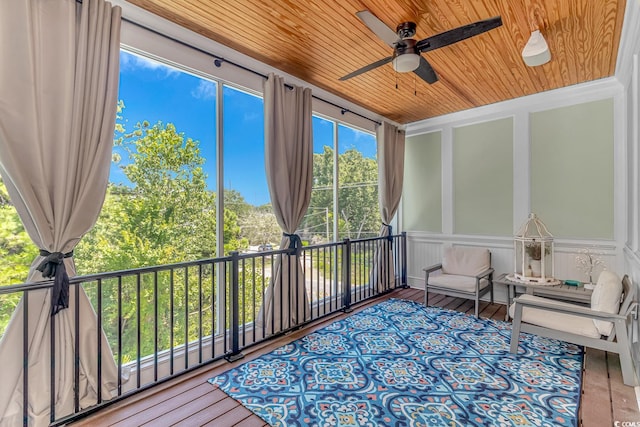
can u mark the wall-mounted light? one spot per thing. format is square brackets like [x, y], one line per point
[536, 51]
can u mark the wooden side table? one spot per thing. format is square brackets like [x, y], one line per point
[560, 292]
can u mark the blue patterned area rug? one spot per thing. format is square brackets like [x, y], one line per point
[399, 363]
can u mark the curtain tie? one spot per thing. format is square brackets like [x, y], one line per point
[390, 228]
[294, 242]
[53, 266]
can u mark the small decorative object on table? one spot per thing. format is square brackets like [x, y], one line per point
[588, 260]
[572, 283]
[533, 253]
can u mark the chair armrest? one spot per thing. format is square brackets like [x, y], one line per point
[432, 268]
[489, 271]
[577, 310]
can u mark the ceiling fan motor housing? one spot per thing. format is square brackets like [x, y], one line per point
[406, 30]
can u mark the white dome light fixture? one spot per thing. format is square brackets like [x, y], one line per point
[536, 51]
[406, 62]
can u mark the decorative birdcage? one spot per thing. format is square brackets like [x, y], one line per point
[533, 249]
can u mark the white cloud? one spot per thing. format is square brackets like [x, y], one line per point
[130, 63]
[204, 90]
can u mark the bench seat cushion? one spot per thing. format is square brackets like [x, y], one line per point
[456, 282]
[552, 320]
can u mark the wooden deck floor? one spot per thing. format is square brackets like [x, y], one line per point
[191, 401]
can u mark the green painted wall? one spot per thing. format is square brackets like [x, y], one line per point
[572, 169]
[422, 192]
[483, 178]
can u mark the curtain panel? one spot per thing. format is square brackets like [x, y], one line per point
[58, 94]
[390, 141]
[289, 169]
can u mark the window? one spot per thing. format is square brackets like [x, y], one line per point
[356, 214]
[317, 225]
[246, 193]
[160, 204]
[358, 211]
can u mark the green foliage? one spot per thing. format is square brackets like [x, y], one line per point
[17, 251]
[357, 194]
[167, 215]
[260, 227]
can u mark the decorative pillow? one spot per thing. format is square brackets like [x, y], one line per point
[465, 261]
[606, 297]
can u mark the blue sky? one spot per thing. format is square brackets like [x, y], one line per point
[155, 92]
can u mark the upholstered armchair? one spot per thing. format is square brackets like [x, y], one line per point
[465, 272]
[605, 325]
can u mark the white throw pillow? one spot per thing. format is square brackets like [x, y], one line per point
[606, 297]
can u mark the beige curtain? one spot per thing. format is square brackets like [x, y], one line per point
[390, 142]
[58, 93]
[289, 167]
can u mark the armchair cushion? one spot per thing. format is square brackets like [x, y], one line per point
[559, 321]
[606, 297]
[459, 283]
[465, 261]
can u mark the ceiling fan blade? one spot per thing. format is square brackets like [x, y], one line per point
[367, 68]
[378, 27]
[457, 34]
[426, 72]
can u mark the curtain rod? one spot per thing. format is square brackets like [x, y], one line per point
[219, 60]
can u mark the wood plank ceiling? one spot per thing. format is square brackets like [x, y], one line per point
[321, 40]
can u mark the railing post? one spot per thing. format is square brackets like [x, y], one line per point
[235, 309]
[346, 279]
[404, 260]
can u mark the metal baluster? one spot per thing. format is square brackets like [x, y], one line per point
[199, 313]
[171, 320]
[235, 318]
[346, 261]
[138, 334]
[76, 350]
[25, 358]
[186, 317]
[52, 376]
[119, 335]
[99, 339]
[155, 326]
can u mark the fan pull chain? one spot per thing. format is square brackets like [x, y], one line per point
[396, 80]
[415, 91]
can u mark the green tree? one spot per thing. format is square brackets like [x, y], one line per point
[166, 215]
[260, 226]
[17, 251]
[359, 214]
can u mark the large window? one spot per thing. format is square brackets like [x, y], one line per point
[349, 154]
[160, 204]
[359, 214]
[246, 194]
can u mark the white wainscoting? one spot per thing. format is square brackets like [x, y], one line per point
[424, 249]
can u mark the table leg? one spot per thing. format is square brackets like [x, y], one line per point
[510, 288]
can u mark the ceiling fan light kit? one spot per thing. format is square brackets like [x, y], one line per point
[406, 63]
[536, 51]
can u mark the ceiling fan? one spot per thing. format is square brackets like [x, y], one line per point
[406, 50]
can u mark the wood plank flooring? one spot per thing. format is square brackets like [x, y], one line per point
[191, 401]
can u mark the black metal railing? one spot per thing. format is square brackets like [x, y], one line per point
[163, 321]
